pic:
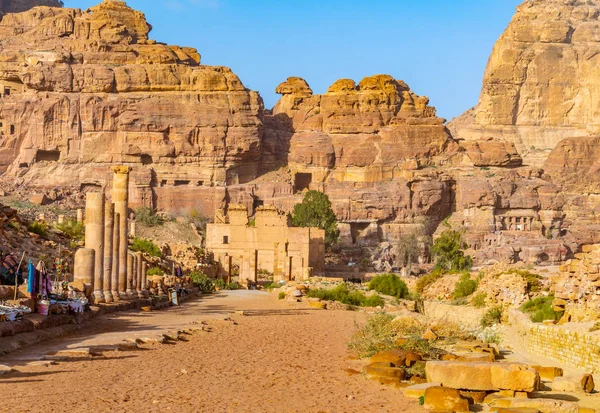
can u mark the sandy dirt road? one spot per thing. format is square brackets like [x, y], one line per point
[276, 358]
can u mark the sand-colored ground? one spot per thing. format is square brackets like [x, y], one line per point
[277, 358]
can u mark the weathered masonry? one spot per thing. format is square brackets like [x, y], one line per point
[267, 244]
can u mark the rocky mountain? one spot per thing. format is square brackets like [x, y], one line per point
[82, 90]
[541, 81]
[85, 89]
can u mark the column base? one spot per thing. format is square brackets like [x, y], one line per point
[115, 295]
[108, 297]
[131, 294]
[98, 297]
[123, 295]
[146, 293]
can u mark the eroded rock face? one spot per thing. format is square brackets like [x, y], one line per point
[541, 80]
[368, 132]
[82, 90]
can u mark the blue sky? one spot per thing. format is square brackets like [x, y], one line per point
[439, 47]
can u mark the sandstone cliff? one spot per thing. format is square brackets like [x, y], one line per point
[541, 81]
[18, 6]
[84, 89]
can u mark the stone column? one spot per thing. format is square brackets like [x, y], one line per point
[120, 197]
[145, 290]
[83, 270]
[140, 266]
[94, 238]
[130, 264]
[80, 215]
[109, 224]
[115, 258]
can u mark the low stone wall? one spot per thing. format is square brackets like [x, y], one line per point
[574, 349]
[467, 317]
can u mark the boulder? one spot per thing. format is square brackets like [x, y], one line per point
[445, 399]
[397, 357]
[574, 383]
[483, 376]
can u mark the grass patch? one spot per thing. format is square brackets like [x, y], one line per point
[478, 300]
[347, 296]
[428, 279]
[155, 271]
[281, 295]
[146, 247]
[39, 228]
[148, 217]
[72, 229]
[540, 309]
[389, 284]
[377, 335]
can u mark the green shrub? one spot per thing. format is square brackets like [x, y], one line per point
[541, 309]
[448, 252]
[421, 346]
[373, 301]
[491, 317]
[222, 285]
[459, 301]
[346, 296]
[389, 284]
[146, 247]
[155, 271]
[281, 295]
[478, 300]
[378, 334]
[38, 227]
[428, 279]
[148, 217]
[201, 281]
[465, 286]
[72, 229]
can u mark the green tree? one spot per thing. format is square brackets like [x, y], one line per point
[448, 252]
[315, 211]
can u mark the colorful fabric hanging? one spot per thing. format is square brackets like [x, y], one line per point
[31, 279]
[45, 286]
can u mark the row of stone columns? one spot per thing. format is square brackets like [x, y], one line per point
[117, 273]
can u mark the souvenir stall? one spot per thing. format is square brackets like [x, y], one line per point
[49, 290]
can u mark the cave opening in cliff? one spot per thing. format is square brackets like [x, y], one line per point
[12, 129]
[357, 229]
[182, 182]
[146, 159]
[6, 91]
[302, 181]
[47, 156]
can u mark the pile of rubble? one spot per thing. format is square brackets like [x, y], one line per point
[577, 286]
[470, 375]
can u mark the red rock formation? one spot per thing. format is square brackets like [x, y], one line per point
[541, 81]
[83, 90]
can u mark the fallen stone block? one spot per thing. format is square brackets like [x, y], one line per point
[418, 390]
[576, 383]
[375, 371]
[320, 305]
[483, 376]
[473, 397]
[445, 399]
[148, 340]
[548, 373]
[5, 369]
[544, 405]
[397, 357]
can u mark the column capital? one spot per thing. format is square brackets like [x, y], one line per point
[121, 169]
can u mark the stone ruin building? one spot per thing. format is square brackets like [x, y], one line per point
[268, 244]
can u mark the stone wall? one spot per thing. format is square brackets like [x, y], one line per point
[574, 349]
